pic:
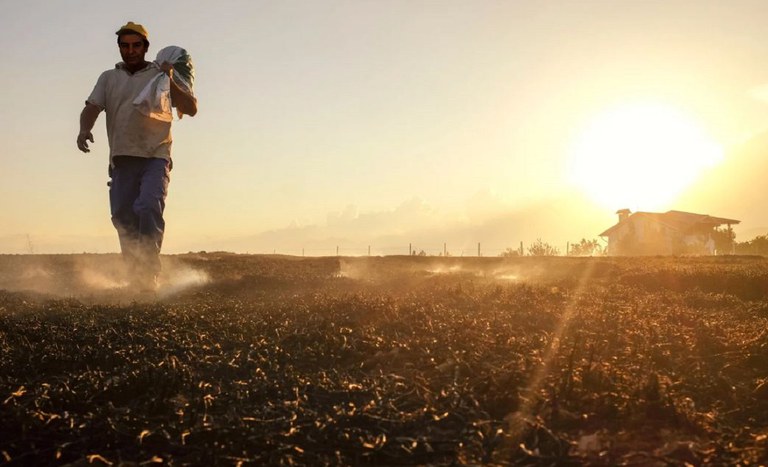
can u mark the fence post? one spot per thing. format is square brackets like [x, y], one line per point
[478, 248]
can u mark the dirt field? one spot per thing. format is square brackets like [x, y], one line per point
[394, 360]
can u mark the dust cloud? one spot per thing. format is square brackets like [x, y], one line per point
[384, 268]
[89, 277]
[97, 280]
[179, 278]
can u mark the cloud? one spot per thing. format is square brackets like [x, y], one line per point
[416, 225]
[414, 213]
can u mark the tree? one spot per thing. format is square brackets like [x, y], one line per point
[586, 248]
[756, 246]
[540, 248]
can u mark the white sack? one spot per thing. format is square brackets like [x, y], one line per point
[154, 100]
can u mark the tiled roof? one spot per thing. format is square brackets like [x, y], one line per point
[678, 220]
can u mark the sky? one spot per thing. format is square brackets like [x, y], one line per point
[398, 124]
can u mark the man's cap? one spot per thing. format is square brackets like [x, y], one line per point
[131, 27]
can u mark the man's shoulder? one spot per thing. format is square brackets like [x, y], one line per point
[108, 73]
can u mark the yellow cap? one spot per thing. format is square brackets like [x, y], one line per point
[133, 27]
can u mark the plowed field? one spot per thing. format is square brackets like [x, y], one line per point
[386, 361]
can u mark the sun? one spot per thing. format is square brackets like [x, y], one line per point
[640, 156]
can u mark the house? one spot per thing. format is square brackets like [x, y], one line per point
[669, 233]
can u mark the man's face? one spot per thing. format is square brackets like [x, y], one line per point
[132, 49]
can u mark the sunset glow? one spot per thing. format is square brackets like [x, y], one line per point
[640, 156]
[356, 126]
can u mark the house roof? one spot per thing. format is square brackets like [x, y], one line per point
[677, 220]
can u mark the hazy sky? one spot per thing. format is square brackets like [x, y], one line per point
[385, 122]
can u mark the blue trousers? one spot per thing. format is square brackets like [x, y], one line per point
[137, 200]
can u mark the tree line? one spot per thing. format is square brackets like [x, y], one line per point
[757, 246]
[583, 247]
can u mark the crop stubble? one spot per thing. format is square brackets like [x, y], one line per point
[394, 360]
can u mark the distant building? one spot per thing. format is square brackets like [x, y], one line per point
[669, 233]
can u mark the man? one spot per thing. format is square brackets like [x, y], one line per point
[139, 152]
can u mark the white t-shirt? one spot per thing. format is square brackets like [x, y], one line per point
[130, 133]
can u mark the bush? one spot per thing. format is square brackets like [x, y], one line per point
[510, 253]
[540, 248]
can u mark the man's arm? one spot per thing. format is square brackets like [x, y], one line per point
[185, 102]
[87, 119]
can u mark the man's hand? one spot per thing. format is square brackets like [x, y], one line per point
[167, 68]
[87, 119]
[181, 98]
[82, 140]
